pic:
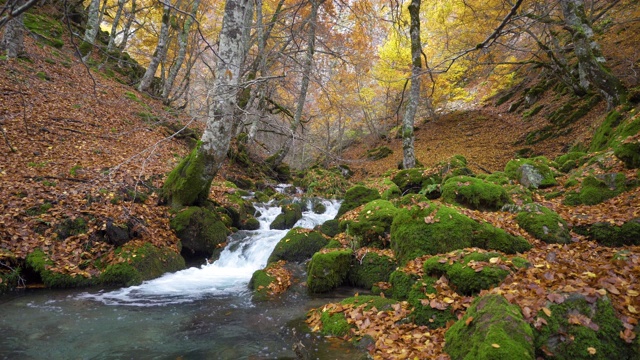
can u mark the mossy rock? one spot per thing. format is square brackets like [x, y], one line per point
[533, 173]
[390, 190]
[200, 230]
[571, 160]
[40, 263]
[497, 330]
[562, 339]
[422, 313]
[413, 180]
[70, 227]
[596, 189]
[607, 234]
[185, 185]
[498, 178]
[259, 284]
[474, 193]
[439, 229]
[605, 133]
[371, 269]
[46, 29]
[330, 228]
[319, 208]
[454, 166]
[464, 278]
[629, 152]
[324, 183]
[326, 271]
[544, 224]
[356, 196]
[401, 284]
[369, 302]
[373, 223]
[298, 245]
[378, 153]
[289, 216]
[141, 262]
[334, 324]
[261, 197]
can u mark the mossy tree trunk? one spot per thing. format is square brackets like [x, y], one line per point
[591, 68]
[409, 157]
[189, 183]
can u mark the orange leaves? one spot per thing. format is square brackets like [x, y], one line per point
[281, 275]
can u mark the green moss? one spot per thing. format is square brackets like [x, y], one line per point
[401, 283]
[334, 324]
[378, 153]
[629, 153]
[532, 173]
[71, 227]
[259, 283]
[605, 132]
[413, 180]
[40, 263]
[323, 183]
[596, 190]
[9, 271]
[572, 341]
[356, 196]
[333, 244]
[372, 268]
[391, 191]
[39, 209]
[298, 245]
[290, 214]
[474, 193]
[327, 271]
[439, 229]
[464, 278]
[570, 161]
[532, 112]
[423, 313]
[544, 224]
[611, 235]
[46, 29]
[200, 230]
[494, 322]
[373, 223]
[186, 184]
[140, 263]
[498, 178]
[330, 227]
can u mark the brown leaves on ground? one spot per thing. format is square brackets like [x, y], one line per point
[78, 150]
[281, 276]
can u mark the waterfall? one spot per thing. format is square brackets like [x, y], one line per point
[246, 252]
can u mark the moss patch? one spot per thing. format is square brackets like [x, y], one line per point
[298, 245]
[423, 313]
[356, 196]
[373, 223]
[497, 331]
[532, 173]
[40, 263]
[612, 235]
[544, 224]
[200, 230]
[186, 184]
[595, 190]
[289, 215]
[474, 193]
[327, 271]
[370, 269]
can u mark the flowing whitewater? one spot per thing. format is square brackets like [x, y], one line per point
[246, 252]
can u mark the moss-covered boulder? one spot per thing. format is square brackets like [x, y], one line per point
[454, 166]
[470, 274]
[40, 263]
[578, 329]
[288, 217]
[328, 270]
[378, 153]
[356, 196]
[371, 268]
[544, 224]
[185, 185]
[606, 234]
[323, 183]
[437, 229]
[373, 224]
[496, 330]
[259, 284]
[571, 160]
[330, 228]
[401, 284]
[628, 152]
[200, 230]
[298, 245]
[140, 261]
[239, 209]
[474, 193]
[596, 189]
[533, 173]
[422, 313]
[413, 180]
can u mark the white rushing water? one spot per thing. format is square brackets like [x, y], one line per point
[246, 252]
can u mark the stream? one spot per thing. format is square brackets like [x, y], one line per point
[202, 312]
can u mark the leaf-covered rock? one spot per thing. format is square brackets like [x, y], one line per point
[491, 329]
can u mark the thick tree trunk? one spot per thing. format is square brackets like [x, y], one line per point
[159, 53]
[189, 183]
[409, 157]
[13, 37]
[93, 25]
[277, 159]
[183, 39]
[591, 68]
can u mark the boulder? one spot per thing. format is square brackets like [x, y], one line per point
[200, 230]
[328, 270]
[491, 329]
[532, 173]
[474, 193]
[373, 223]
[544, 224]
[370, 269]
[356, 196]
[288, 217]
[298, 245]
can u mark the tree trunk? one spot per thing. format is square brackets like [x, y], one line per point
[189, 183]
[591, 68]
[131, 16]
[93, 25]
[13, 37]
[159, 53]
[114, 25]
[183, 39]
[409, 157]
[277, 159]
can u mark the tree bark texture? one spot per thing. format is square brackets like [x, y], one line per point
[409, 157]
[159, 53]
[114, 26]
[13, 37]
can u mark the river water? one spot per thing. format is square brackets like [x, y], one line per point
[203, 312]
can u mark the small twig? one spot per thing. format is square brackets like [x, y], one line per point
[6, 140]
[57, 178]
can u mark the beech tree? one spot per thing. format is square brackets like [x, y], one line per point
[189, 183]
[409, 157]
[160, 51]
